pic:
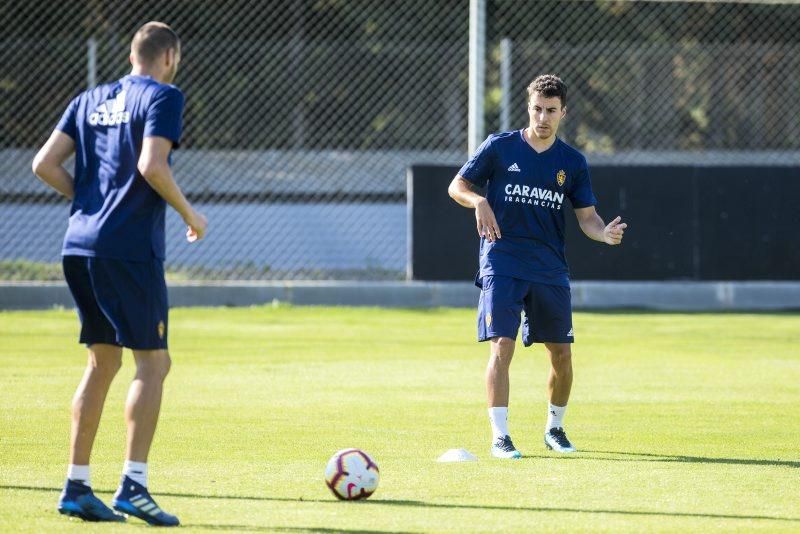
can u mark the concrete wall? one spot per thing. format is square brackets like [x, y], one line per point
[672, 296]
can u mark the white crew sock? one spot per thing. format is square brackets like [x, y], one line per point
[79, 473]
[555, 414]
[498, 418]
[136, 471]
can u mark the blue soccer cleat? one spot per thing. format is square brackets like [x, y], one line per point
[556, 440]
[133, 499]
[504, 448]
[78, 500]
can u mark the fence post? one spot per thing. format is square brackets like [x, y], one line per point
[477, 67]
[91, 62]
[505, 84]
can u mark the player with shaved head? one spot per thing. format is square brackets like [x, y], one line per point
[122, 135]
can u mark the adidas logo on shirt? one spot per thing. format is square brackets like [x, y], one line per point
[111, 112]
[514, 168]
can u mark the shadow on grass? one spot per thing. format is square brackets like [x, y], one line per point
[252, 528]
[638, 310]
[648, 457]
[423, 504]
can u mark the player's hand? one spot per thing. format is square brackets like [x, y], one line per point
[612, 233]
[197, 224]
[487, 223]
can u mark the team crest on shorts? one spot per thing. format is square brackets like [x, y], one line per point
[161, 329]
[488, 319]
[561, 177]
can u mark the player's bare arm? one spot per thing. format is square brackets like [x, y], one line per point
[462, 191]
[593, 226]
[154, 166]
[48, 164]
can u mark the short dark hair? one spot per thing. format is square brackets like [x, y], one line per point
[549, 85]
[152, 40]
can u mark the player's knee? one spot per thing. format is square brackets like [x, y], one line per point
[502, 351]
[106, 365]
[166, 365]
[561, 359]
[153, 365]
[502, 344]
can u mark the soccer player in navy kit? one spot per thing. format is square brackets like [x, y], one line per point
[528, 175]
[122, 134]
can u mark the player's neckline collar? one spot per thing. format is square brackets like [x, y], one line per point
[142, 76]
[542, 153]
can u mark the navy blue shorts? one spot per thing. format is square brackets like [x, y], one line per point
[548, 310]
[119, 302]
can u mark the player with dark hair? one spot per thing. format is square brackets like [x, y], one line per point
[122, 135]
[528, 174]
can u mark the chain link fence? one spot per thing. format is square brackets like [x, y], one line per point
[302, 115]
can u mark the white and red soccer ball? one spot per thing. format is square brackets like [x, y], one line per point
[352, 475]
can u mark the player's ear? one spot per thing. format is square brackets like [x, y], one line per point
[173, 56]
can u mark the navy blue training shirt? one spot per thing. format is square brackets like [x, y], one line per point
[526, 190]
[115, 212]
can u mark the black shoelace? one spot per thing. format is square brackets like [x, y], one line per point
[505, 444]
[560, 437]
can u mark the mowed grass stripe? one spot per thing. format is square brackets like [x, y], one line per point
[683, 421]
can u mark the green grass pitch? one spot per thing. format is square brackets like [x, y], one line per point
[683, 423]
